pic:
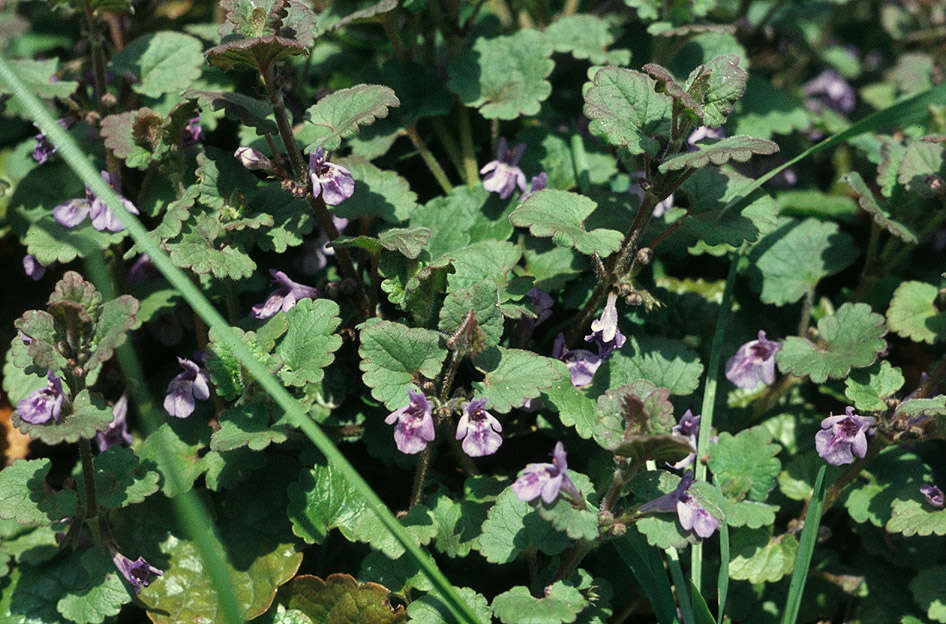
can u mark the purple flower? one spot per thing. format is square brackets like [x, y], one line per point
[316, 252]
[415, 424]
[139, 572]
[542, 304]
[72, 212]
[582, 364]
[33, 269]
[546, 480]
[692, 515]
[44, 404]
[141, 270]
[753, 363]
[192, 133]
[479, 430]
[334, 181]
[117, 432]
[536, 184]
[604, 330]
[840, 435]
[934, 495]
[638, 191]
[704, 132]
[502, 175]
[192, 383]
[829, 89]
[284, 297]
[689, 428]
[44, 149]
[253, 160]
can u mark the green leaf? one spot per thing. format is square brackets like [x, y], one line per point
[635, 419]
[579, 523]
[513, 526]
[799, 256]
[736, 148]
[717, 85]
[25, 497]
[175, 450]
[914, 314]
[916, 517]
[454, 220]
[339, 598]
[893, 477]
[197, 248]
[587, 37]
[852, 337]
[50, 242]
[880, 213]
[393, 357]
[134, 136]
[561, 215]
[401, 575]
[745, 465]
[89, 415]
[481, 298]
[921, 160]
[666, 363]
[764, 111]
[420, 89]
[430, 609]
[459, 524]
[927, 589]
[625, 110]
[111, 328]
[38, 75]
[293, 220]
[378, 193]
[321, 500]
[339, 114]
[869, 387]
[409, 242]
[561, 603]
[163, 62]
[257, 53]
[42, 352]
[512, 377]
[95, 593]
[574, 407]
[760, 558]
[310, 342]
[417, 522]
[504, 77]
[247, 424]
[238, 107]
[120, 480]
[487, 259]
[292, 20]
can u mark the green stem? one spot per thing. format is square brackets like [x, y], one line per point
[580, 159]
[429, 159]
[88, 479]
[806, 311]
[570, 8]
[534, 588]
[298, 165]
[98, 53]
[470, 169]
[868, 279]
[449, 144]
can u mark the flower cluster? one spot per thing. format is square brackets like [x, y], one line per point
[546, 479]
[605, 334]
[842, 437]
[74, 211]
[692, 515]
[414, 424]
[753, 363]
[190, 384]
[284, 297]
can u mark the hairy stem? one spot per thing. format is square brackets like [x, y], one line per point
[98, 52]
[806, 312]
[88, 478]
[420, 474]
[298, 165]
[429, 159]
[341, 253]
[471, 171]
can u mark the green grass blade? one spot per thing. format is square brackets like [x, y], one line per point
[806, 546]
[701, 612]
[722, 582]
[682, 585]
[296, 414]
[645, 564]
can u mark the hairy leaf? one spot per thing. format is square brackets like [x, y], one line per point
[26, 498]
[513, 526]
[587, 37]
[512, 377]
[737, 148]
[338, 115]
[561, 603]
[760, 558]
[340, 598]
[162, 62]
[238, 107]
[378, 193]
[745, 465]
[914, 314]
[869, 387]
[89, 415]
[666, 363]
[310, 342]
[393, 357]
[561, 215]
[625, 110]
[880, 213]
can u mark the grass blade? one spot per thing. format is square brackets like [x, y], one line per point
[722, 582]
[701, 612]
[682, 585]
[806, 546]
[296, 414]
[647, 567]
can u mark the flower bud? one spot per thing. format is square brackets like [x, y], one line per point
[253, 160]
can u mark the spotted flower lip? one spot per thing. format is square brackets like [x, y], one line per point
[286, 295]
[503, 175]
[934, 495]
[414, 424]
[689, 428]
[334, 182]
[43, 405]
[690, 513]
[190, 384]
[72, 212]
[753, 363]
[139, 572]
[479, 430]
[582, 364]
[842, 437]
[604, 329]
[546, 480]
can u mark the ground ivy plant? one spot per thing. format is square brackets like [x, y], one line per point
[617, 312]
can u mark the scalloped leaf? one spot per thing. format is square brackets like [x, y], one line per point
[417, 522]
[575, 408]
[662, 530]
[120, 479]
[50, 242]
[257, 53]
[758, 557]
[89, 415]
[38, 78]
[664, 362]
[431, 609]
[26, 498]
[247, 425]
[340, 598]
[916, 517]
[717, 85]
[513, 526]
[378, 193]
[625, 109]
[667, 83]
[587, 37]
[921, 160]
[800, 255]
[504, 77]
[579, 523]
[176, 448]
[561, 603]
[893, 476]
[914, 314]
[486, 259]
[322, 499]
[746, 513]
[513, 376]
[113, 321]
[310, 343]
[852, 337]
[878, 212]
[745, 465]
[238, 107]
[482, 299]
[869, 387]
[41, 327]
[737, 148]
[394, 357]
[292, 19]
[710, 190]
[561, 215]
[339, 114]
[197, 248]
[125, 135]
[163, 62]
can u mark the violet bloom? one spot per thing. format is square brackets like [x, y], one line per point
[139, 572]
[842, 435]
[703, 132]
[316, 252]
[692, 515]
[32, 267]
[284, 297]
[546, 480]
[582, 364]
[829, 89]
[253, 159]
[193, 133]
[44, 149]
[503, 175]
[141, 270]
[536, 184]
[689, 428]
[753, 363]
[74, 211]
[415, 424]
[43, 405]
[542, 304]
[334, 182]
[192, 383]
[117, 432]
[934, 495]
[479, 430]
[604, 329]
